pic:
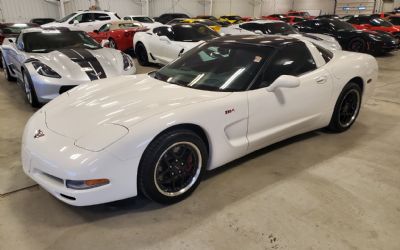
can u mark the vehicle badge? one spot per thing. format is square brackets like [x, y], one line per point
[38, 133]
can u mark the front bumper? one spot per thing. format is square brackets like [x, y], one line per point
[52, 159]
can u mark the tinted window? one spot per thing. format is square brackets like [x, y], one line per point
[325, 53]
[105, 27]
[46, 41]
[217, 67]
[279, 28]
[340, 25]
[143, 19]
[193, 33]
[164, 31]
[380, 22]
[292, 60]
[251, 26]
[101, 17]
[395, 20]
[83, 18]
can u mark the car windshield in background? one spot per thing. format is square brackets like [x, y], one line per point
[180, 16]
[193, 33]
[341, 26]
[206, 22]
[237, 18]
[280, 28]
[46, 41]
[380, 22]
[66, 18]
[143, 19]
[217, 66]
[15, 28]
[128, 25]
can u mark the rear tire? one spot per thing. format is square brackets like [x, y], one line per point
[347, 108]
[172, 166]
[7, 74]
[29, 89]
[141, 55]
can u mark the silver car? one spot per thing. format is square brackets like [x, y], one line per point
[49, 62]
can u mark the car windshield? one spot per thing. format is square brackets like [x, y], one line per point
[128, 25]
[237, 18]
[217, 66]
[302, 14]
[66, 18]
[395, 20]
[180, 16]
[341, 26]
[15, 29]
[280, 28]
[46, 41]
[380, 22]
[143, 19]
[193, 33]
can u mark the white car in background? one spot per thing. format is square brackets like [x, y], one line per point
[49, 62]
[87, 20]
[164, 44]
[156, 134]
[144, 20]
[275, 27]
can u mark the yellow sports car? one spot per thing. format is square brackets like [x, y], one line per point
[231, 19]
[212, 25]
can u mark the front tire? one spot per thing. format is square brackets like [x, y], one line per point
[357, 45]
[141, 55]
[347, 108]
[29, 89]
[7, 74]
[172, 166]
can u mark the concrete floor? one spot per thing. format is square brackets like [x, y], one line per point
[315, 191]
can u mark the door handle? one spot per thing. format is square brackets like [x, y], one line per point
[321, 79]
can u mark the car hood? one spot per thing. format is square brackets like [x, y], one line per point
[125, 100]
[72, 66]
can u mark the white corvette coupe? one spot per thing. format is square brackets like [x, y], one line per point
[164, 44]
[157, 133]
[48, 62]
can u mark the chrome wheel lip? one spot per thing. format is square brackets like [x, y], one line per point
[194, 178]
[28, 91]
[356, 110]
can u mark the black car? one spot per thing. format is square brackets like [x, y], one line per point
[328, 16]
[395, 20]
[167, 17]
[41, 21]
[372, 42]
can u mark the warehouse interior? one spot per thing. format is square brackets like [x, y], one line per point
[317, 190]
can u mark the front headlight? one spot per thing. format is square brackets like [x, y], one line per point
[128, 62]
[44, 70]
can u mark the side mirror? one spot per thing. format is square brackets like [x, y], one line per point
[11, 40]
[164, 39]
[105, 43]
[258, 32]
[76, 22]
[96, 31]
[284, 81]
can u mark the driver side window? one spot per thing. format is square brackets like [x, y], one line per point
[83, 18]
[164, 31]
[293, 60]
[105, 28]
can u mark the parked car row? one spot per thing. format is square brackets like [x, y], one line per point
[109, 134]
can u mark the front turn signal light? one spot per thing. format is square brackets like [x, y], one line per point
[86, 184]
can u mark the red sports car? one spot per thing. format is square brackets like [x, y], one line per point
[119, 34]
[274, 17]
[374, 24]
[292, 20]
